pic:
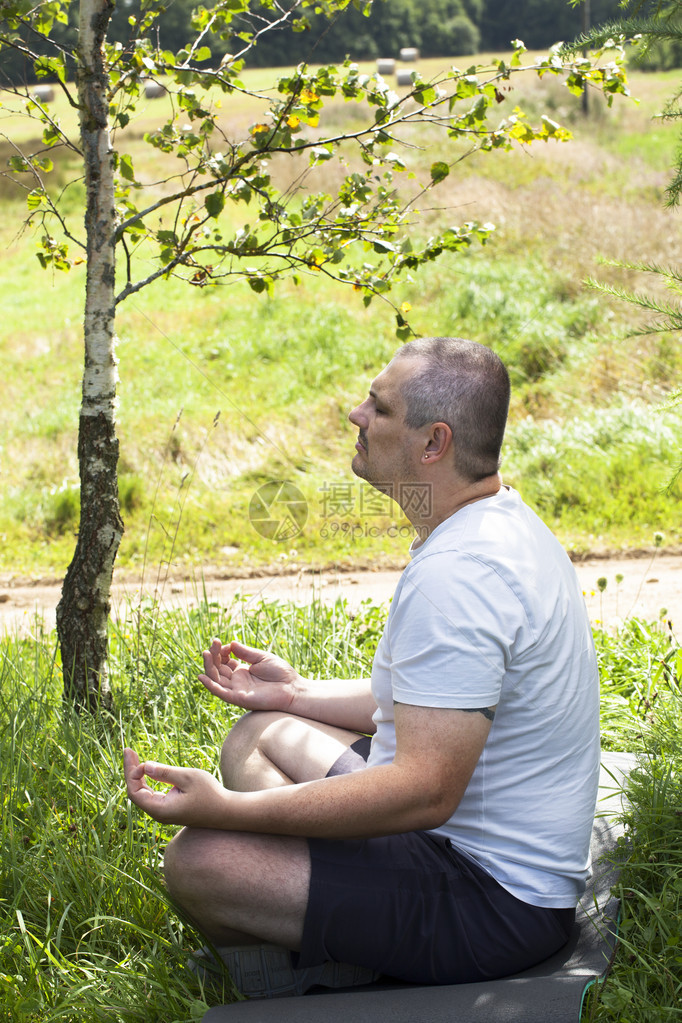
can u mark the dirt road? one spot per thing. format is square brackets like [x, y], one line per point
[648, 585]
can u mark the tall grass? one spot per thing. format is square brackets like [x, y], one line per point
[645, 984]
[87, 930]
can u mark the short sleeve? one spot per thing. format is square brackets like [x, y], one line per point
[452, 630]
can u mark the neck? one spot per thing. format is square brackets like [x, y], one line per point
[446, 501]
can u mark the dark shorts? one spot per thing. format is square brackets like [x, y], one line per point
[412, 907]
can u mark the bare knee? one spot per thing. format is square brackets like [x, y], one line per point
[199, 883]
[233, 885]
[242, 741]
[181, 864]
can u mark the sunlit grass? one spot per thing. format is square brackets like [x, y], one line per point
[87, 930]
[282, 372]
[642, 667]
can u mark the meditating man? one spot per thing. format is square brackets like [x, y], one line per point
[431, 823]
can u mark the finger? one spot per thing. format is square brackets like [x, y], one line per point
[132, 768]
[136, 785]
[130, 759]
[216, 688]
[216, 652]
[210, 667]
[226, 653]
[167, 774]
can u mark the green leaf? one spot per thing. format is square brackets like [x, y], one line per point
[439, 171]
[125, 165]
[426, 96]
[45, 66]
[18, 164]
[318, 154]
[51, 135]
[35, 198]
[215, 204]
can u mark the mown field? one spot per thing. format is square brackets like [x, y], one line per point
[588, 444]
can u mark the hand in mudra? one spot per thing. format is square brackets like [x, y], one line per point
[264, 682]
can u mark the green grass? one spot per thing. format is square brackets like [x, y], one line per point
[284, 371]
[87, 930]
[644, 669]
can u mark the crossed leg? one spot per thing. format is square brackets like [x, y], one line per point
[242, 888]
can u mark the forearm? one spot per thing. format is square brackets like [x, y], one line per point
[413, 792]
[378, 801]
[345, 703]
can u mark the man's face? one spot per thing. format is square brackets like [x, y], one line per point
[388, 452]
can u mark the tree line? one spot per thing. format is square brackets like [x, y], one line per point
[437, 28]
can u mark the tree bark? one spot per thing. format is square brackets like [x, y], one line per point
[83, 611]
[587, 21]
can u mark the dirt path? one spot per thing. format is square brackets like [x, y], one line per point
[649, 584]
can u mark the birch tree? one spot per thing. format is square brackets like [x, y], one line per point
[361, 234]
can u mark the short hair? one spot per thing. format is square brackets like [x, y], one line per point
[466, 385]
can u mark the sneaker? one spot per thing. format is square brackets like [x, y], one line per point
[266, 971]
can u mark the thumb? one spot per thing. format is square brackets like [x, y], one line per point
[246, 653]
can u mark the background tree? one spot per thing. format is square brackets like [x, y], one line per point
[360, 233]
[537, 22]
[437, 27]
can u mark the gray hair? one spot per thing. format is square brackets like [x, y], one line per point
[466, 385]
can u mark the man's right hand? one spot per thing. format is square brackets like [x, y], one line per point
[266, 682]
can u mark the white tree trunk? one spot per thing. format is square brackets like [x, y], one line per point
[83, 612]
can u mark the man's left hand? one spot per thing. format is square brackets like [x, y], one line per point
[196, 798]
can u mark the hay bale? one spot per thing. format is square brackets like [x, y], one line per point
[403, 76]
[42, 93]
[409, 54]
[386, 66]
[153, 90]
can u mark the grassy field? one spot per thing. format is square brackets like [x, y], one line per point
[88, 935]
[222, 390]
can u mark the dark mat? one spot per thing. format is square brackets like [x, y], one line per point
[551, 991]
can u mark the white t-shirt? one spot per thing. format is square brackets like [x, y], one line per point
[489, 612]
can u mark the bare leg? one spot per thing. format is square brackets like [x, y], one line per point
[240, 888]
[245, 888]
[266, 749]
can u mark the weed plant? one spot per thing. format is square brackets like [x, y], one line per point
[645, 983]
[87, 930]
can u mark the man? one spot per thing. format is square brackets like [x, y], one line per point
[457, 852]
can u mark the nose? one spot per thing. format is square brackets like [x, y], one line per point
[357, 416]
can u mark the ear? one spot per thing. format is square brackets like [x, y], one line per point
[438, 444]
